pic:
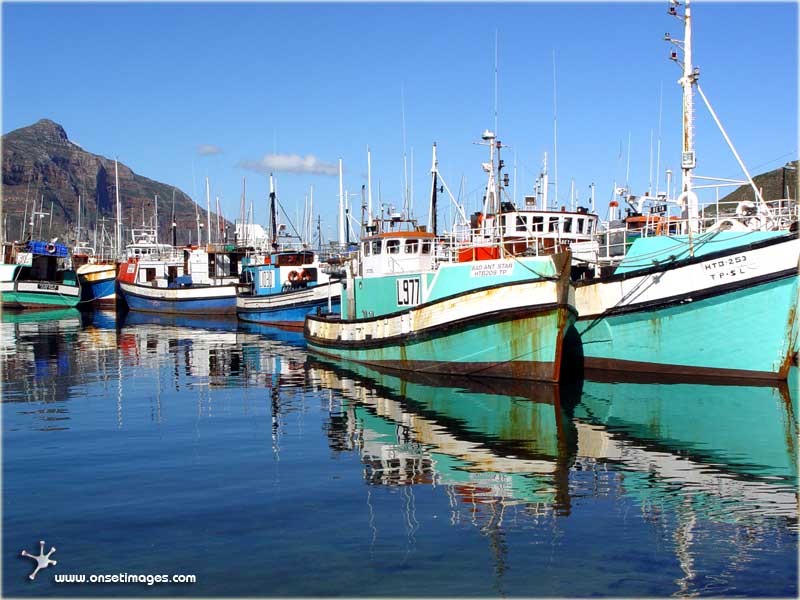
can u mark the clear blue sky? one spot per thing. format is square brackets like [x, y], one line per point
[151, 83]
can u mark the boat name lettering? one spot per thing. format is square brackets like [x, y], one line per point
[265, 278]
[367, 314]
[407, 292]
[25, 258]
[729, 267]
[47, 286]
[492, 270]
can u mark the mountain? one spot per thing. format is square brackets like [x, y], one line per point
[774, 185]
[40, 162]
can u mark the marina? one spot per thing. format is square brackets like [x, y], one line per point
[471, 389]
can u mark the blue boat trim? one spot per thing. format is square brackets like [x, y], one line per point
[179, 300]
[421, 335]
[695, 296]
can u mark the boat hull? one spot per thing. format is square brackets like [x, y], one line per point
[508, 331]
[288, 309]
[200, 300]
[98, 284]
[730, 314]
[38, 295]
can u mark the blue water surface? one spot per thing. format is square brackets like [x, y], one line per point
[149, 446]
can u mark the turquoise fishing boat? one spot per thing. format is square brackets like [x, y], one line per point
[719, 304]
[715, 299]
[416, 302]
[37, 275]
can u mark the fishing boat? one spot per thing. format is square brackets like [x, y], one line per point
[97, 270]
[404, 306]
[161, 278]
[715, 301]
[97, 276]
[290, 284]
[37, 275]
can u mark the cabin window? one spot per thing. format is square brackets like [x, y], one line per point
[522, 223]
[580, 224]
[553, 226]
[393, 247]
[568, 225]
[426, 246]
[537, 224]
[366, 248]
[376, 246]
[411, 246]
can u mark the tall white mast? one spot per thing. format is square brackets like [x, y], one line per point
[545, 184]
[687, 197]
[341, 205]
[555, 132]
[118, 233]
[208, 212]
[405, 162]
[369, 187]
[78, 233]
[432, 206]
[311, 216]
[156, 215]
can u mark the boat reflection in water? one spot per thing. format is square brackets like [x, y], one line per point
[690, 457]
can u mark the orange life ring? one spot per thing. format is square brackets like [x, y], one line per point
[294, 276]
[480, 220]
[305, 275]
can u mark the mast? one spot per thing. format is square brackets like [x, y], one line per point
[432, 225]
[156, 214]
[687, 198]
[174, 224]
[78, 232]
[273, 215]
[341, 205]
[118, 228]
[208, 212]
[369, 187]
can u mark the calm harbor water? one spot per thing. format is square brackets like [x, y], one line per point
[163, 446]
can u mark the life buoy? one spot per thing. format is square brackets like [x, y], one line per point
[51, 247]
[480, 220]
[294, 276]
[305, 275]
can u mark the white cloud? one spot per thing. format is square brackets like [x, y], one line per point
[208, 149]
[290, 163]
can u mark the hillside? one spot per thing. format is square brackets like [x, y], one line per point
[40, 161]
[774, 185]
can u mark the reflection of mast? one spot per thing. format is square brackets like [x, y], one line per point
[275, 398]
[497, 542]
[683, 537]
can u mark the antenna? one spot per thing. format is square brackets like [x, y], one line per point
[208, 212]
[405, 166]
[369, 187]
[341, 205]
[658, 146]
[555, 131]
[496, 89]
